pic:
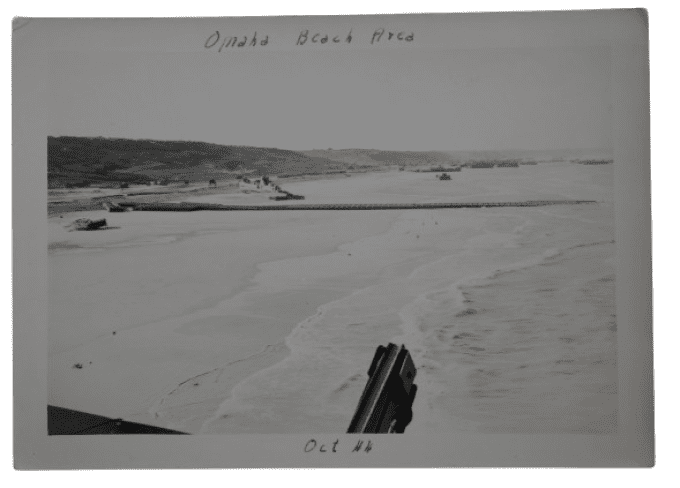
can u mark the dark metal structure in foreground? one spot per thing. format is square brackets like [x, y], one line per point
[385, 404]
[384, 407]
[192, 207]
[64, 421]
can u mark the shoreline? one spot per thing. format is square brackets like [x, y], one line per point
[271, 318]
[239, 414]
[304, 348]
[422, 408]
[273, 355]
[94, 202]
[493, 329]
[251, 360]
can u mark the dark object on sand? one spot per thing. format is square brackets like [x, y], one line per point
[212, 183]
[444, 176]
[114, 207]
[385, 404]
[64, 421]
[86, 224]
[287, 196]
[78, 366]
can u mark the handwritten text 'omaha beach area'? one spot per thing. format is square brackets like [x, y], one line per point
[219, 41]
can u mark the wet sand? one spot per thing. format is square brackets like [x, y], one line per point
[266, 322]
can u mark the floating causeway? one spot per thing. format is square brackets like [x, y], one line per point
[192, 207]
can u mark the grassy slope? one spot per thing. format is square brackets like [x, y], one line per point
[97, 159]
[74, 159]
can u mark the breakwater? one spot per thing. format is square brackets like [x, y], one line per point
[192, 207]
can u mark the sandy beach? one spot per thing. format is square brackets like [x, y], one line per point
[266, 322]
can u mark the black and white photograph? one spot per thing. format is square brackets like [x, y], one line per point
[335, 228]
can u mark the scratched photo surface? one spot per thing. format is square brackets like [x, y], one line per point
[459, 202]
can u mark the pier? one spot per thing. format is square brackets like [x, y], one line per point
[192, 207]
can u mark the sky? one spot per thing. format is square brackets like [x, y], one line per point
[419, 99]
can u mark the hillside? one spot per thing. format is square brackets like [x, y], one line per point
[83, 160]
[375, 157]
[80, 161]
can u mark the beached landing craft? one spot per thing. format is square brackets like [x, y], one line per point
[86, 224]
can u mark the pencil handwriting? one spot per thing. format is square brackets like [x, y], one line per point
[320, 38]
[313, 445]
[223, 42]
[220, 42]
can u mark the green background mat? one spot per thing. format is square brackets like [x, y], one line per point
[664, 66]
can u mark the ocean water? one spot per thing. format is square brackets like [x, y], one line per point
[532, 349]
[508, 313]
